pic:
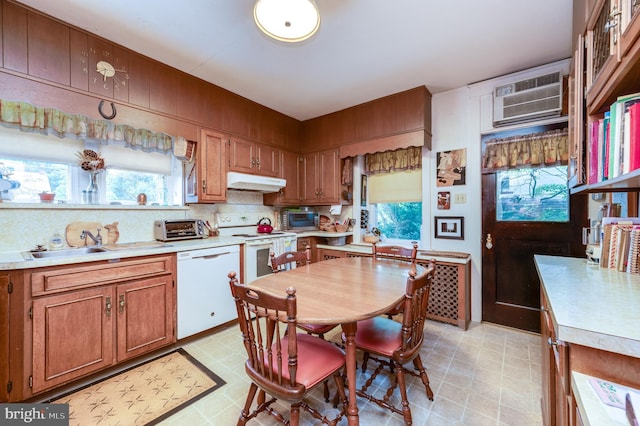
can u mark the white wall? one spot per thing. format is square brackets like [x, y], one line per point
[459, 118]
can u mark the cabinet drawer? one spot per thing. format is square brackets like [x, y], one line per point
[70, 277]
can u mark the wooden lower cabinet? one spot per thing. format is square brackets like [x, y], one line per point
[556, 380]
[73, 335]
[87, 317]
[4, 336]
[559, 359]
[145, 316]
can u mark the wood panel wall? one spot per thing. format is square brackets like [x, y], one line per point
[51, 64]
[38, 48]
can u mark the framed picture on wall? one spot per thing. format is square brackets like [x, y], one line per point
[451, 227]
[363, 191]
[451, 167]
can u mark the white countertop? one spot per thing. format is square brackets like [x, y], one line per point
[592, 410]
[15, 260]
[439, 256]
[592, 306]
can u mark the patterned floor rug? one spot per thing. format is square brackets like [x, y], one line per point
[142, 395]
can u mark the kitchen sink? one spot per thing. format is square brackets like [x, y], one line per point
[62, 253]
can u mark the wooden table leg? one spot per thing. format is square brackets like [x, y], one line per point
[350, 349]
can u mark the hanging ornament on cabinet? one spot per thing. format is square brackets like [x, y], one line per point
[113, 111]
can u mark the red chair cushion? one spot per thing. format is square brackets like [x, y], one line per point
[380, 335]
[317, 359]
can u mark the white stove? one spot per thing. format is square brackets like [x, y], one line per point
[257, 246]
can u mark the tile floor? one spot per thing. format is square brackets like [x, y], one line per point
[487, 375]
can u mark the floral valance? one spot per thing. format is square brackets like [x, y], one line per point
[30, 118]
[535, 149]
[393, 161]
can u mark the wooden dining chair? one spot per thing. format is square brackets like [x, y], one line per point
[282, 363]
[278, 264]
[395, 252]
[395, 344]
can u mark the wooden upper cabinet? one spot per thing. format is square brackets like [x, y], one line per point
[289, 170]
[191, 99]
[396, 114]
[320, 178]
[212, 170]
[629, 26]
[163, 90]
[48, 49]
[251, 157]
[139, 77]
[79, 60]
[14, 33]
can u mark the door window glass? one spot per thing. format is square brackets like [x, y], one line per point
[532, 194]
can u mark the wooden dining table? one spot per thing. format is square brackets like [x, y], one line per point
[343, 291]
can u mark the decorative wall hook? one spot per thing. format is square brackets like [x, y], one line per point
[113, 111]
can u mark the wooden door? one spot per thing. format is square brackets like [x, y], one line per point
[212, 168]
[72, 335]
[242, 155]
[290, 171]
[267, 160]
[329, 178]
[510, 283]
[309, 178]
[4, 336]
[146, 315]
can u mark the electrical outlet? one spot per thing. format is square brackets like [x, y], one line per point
[460, 198]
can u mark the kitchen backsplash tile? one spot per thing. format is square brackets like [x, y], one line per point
[23, 229]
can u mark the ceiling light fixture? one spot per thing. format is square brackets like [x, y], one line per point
[287, 20]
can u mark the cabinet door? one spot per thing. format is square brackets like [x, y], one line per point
[4, 335]
[602, 51]
[290, 171]
[72, 336]
[577, 144]
[146, 315]
[548, 366]
[630, 25]
[242, 155]
[267, 160]
[329, 177]
[211, 168]
[309, 179]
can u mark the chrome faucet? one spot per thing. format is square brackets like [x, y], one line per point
[97, 239]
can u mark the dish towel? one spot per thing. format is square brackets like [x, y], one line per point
[280, 246]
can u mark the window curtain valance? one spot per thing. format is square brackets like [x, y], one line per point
[29, 118]
[536, 149]
[393, 161]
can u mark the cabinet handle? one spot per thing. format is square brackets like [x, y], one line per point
[204, 186]
[121, 303]
[552, 342]
[107, 306]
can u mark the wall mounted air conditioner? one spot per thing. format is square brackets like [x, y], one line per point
[529, 99]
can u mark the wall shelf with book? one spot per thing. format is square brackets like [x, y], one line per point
[610, 131]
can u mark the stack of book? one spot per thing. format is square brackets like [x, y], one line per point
[614, 140]
[620, 244]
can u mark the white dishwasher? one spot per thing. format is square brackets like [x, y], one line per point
[204, 296]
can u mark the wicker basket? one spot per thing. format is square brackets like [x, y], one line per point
[342, 228]
[371, 239]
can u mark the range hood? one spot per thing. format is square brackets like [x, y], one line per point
[254, 182]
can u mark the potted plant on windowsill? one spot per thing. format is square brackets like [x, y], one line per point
[94, 164]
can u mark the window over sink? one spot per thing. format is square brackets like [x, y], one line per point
[48, 164]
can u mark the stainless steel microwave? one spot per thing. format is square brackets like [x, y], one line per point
[297, 220]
